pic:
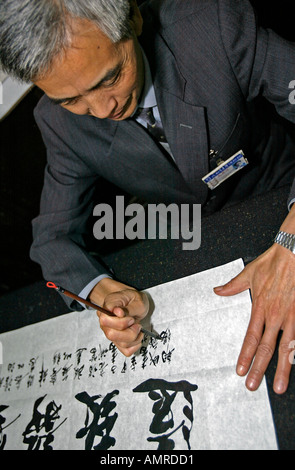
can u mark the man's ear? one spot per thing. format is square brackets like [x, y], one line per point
[135, 18]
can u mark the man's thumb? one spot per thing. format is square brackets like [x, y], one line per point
[234, 286]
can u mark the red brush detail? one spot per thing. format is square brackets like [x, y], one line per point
[52, 285]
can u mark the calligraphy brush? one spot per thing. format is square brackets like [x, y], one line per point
[96, 307]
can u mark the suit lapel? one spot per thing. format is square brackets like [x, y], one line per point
[184, 123]
[185, 129]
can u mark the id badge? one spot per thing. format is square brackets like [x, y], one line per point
[225, 169]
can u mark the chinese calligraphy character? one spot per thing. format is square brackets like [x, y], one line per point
[53, 376]
[79, 354]
[42, 374]
[163, 393]
[32, 363]
[166, 355]
[3, 437]
[41, 426]
[102, 422]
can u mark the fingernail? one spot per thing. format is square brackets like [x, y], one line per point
[218, 288]
[131, 322]
[241, 370]
[252, 384]
[279, 386]
[136, 327]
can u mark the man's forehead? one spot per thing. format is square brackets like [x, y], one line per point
[78, 28]
[85, 40]
[91, 58]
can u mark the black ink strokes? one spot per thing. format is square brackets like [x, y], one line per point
[2, 421]
[163, 394]
[102, 422]
[3, 437]
[41, 427]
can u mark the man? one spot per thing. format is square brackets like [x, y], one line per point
[205, 65]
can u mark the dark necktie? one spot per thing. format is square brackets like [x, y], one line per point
[153, 126]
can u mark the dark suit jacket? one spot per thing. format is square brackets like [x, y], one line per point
[211, 65]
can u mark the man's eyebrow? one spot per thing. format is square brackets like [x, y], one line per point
[112, 73]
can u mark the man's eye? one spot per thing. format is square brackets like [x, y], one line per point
[113, 81]
[70, 102]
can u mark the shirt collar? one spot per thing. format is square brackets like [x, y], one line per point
[148, 97]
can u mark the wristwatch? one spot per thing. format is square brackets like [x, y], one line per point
[286, 239]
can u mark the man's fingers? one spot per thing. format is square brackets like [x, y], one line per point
[129, 350]
[263, 356]
[118, 322]
[128, 302]
[260, 346]
[285, 361]
[122, 328]
[269, 278]
[250, 344]
[126, 337]
[234, 286]
[128, 342]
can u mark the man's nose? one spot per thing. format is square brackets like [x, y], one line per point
[102, 108]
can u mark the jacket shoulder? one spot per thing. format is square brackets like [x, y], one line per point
[168, 12]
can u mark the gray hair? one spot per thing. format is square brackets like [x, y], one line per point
[34, 32]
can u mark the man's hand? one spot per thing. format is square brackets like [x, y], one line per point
[129, 307]
[271, 279]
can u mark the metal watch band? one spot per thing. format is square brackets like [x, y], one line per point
[286, 239]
